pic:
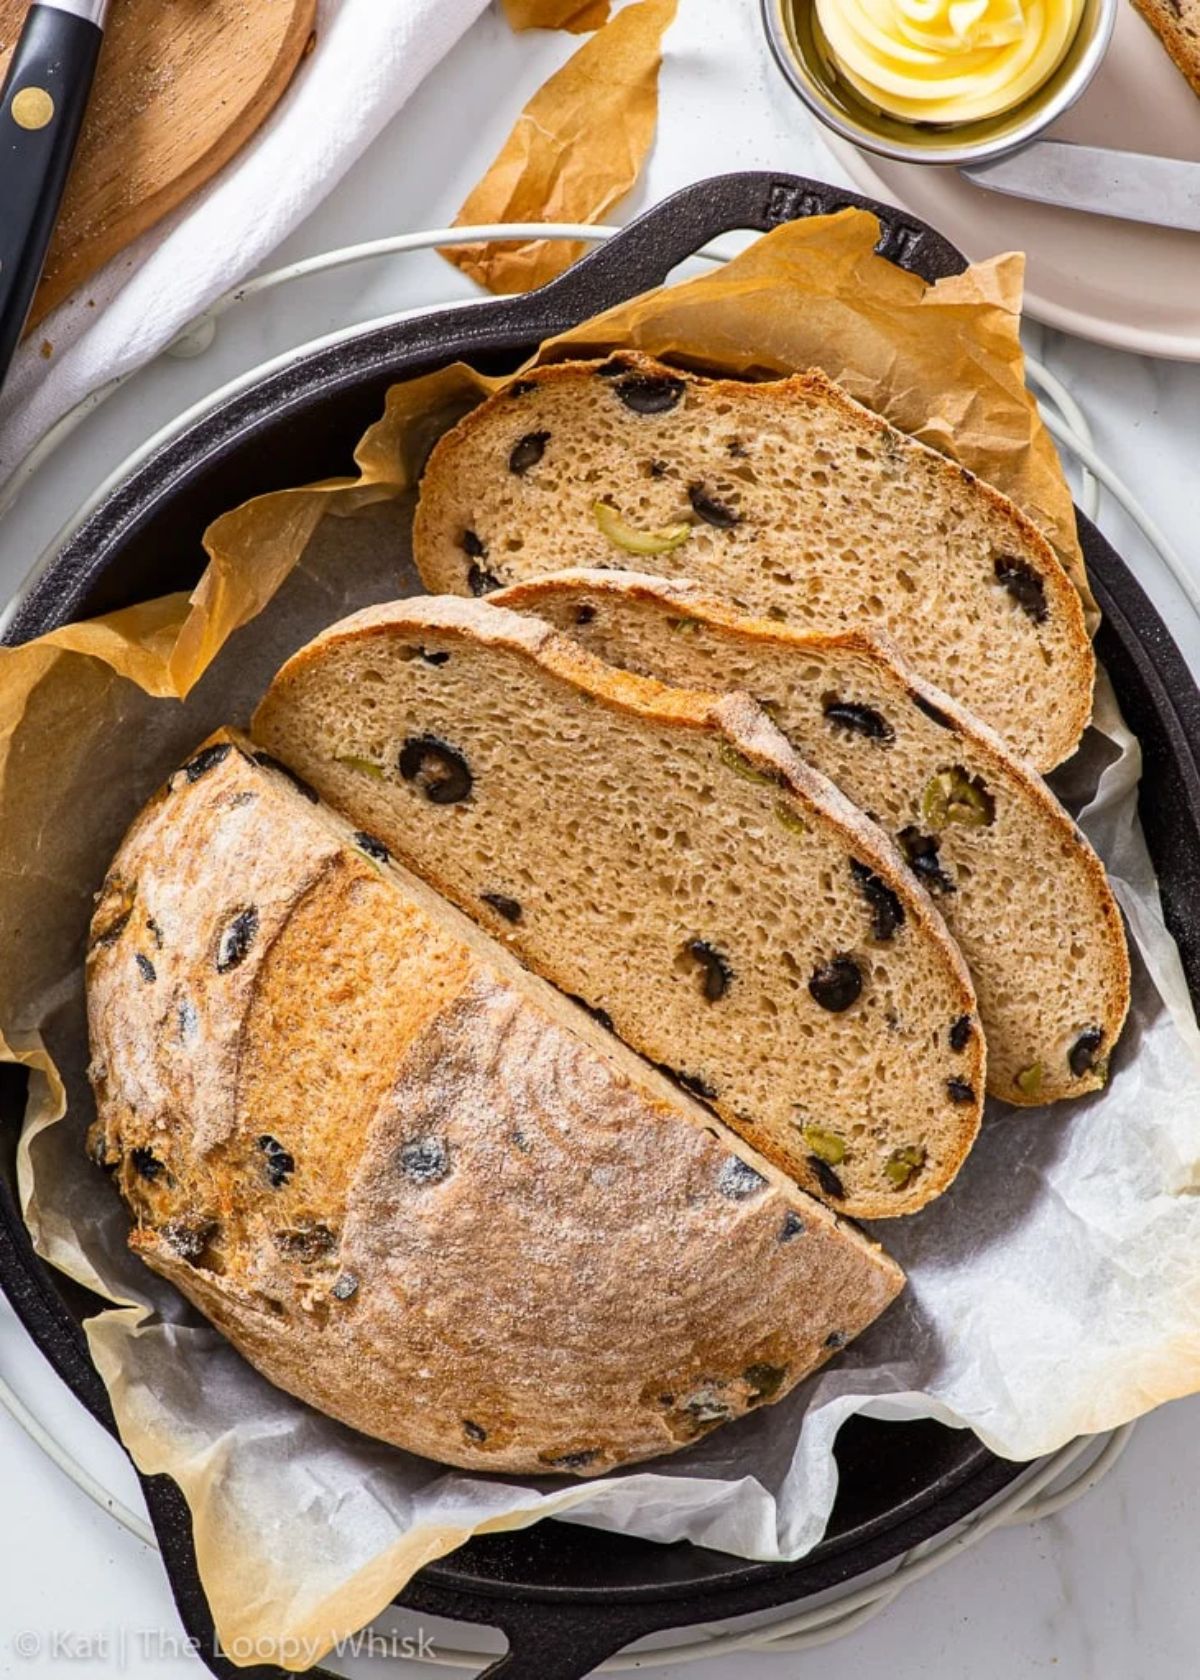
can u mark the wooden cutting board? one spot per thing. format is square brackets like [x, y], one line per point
[182, 85]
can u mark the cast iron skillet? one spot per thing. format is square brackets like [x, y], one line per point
[567, 1597]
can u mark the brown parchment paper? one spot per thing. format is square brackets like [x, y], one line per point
[1056, 1289]
[575, 150]
[577, 16]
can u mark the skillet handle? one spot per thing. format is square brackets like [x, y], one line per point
[642, 255]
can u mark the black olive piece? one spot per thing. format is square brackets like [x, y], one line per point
[793, 1227]
[425, 1160]
[960, 1033]
[573, 1460]
[280, 1165]
[836, 984]
[739, 1180]
[344, 1287]
[146, 969]
[696, 1085]
[584, 614]
[306, 1243]
[764, 1381]
[649, 393]
[374, 848]
[236, 939]
[480, 581]
[474, 1431]
[611, 368]
[711, 510]
[114, 930]
[504, 906]
[439, 769]
[737, 449]
[717, 972]
[189, 1237]
[887, 912]
[600, 1016]
[836, 1339]
[438, 657]
[155, 932]
[921, 853]
[827, 1178]
[207, 759]
[658, 469]
[1082, 1055]
[146, 1163]
[860, 720]
[527, 452]
[521, 387]
[187, 1018]
[474, 545]
[269, 762]
[1026, 586]
[959, 1091]
[932, 712]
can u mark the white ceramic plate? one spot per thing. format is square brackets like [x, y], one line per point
[1120, 283]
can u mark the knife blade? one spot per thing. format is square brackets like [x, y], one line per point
[1133, 186]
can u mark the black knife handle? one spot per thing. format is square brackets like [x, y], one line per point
[41, 111]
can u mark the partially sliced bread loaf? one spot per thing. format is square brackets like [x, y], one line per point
[666, 857]
[1019, 887]
[413, 1184]
[787, 498]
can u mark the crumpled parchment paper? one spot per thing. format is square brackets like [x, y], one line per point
[577, 147]
[1054, 1290]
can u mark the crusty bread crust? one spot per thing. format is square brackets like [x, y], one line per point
[415, 1187]
[449, 486]
[1063, 846]
[281, 724]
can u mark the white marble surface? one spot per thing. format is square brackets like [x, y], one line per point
[1105, 1591]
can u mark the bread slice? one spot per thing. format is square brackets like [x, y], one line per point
[1020, 889]
[1177, 25]
[414, 1185]
[788, 499]
[666, 857]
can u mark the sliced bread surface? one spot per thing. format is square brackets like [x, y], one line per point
[414, 1185]
[787, 498]
[1020, 889]
[665, 857]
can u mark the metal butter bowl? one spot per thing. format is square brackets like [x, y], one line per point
[800, 50]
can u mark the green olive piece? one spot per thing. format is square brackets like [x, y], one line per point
[954, 797]
[1029, 1080]
[366, 765]
[684, 626]
[638, 542]
[826, 1146]
[733, 760]
[903, 1163]
[791, 820]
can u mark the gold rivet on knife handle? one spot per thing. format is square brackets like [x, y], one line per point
[32, 108]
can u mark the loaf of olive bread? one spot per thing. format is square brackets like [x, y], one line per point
[665, 856]
[1020, 889]
[414, 1185]
[788, 498]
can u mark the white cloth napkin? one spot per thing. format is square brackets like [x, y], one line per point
[370, 56]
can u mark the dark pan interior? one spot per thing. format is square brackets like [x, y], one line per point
[568, 1596]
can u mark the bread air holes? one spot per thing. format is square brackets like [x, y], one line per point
[857, 719]
[438, 769]
[716, 974]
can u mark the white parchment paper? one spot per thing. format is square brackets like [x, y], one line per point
[1054, 1290]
